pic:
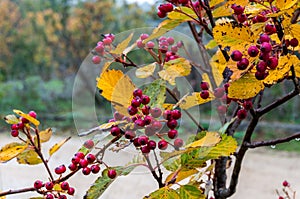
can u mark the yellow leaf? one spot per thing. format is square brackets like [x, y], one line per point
[180, 175]
[215, 2]
[285, 4]
[210, 139]
[11, 150]
[194, 100]
[234, 36]
[29, 157]
[167, 106]
[175, 68]
[11, 119]
[258, 28]
[284, 66]
[110, 124]
[297, 69]
[222, 11]
[45, 135]
[163, 193]
[28, 117]
[2, 197]
[106, 66]
[246, 87]
[122, 46]
[178, 15]
[57, 146]
[145, 71]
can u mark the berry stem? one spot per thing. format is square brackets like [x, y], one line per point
[103, 149]
[16, 191]
[154, 174]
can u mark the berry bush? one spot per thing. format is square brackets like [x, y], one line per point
[254, 45]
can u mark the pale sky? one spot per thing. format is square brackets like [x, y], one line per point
[141, 1]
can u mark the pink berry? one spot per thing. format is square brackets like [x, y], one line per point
[242, 114]
[242, 18]
[204, 94]
[99, 48]
[170, 40]
[61, 169]
[96, 59]
[143, 140]
[32, 114]
[172, 124]
[95, 168]
[139, 123]
[89, 144]
[236, 55]
[86, 170]
[75, 160]
[147, 120]
[64, 186]
[62, 197]
[265, 47]
[162, 144]
[107, 41]
[136, 102]
[156, 125]
[150, 44]
[261, 66]
[145, 149]
[130, 135]
[178, 142]
[264, 38]
[174, 49]
[253, 51]
[80, 155]
[146, 110]
[140, 44]
[49, 196]
[71, 191]
[237, 9]
[144, 36]
[111, 173]
[167, 114]
[72, 167]
[155, 112]
[137, 93]
[38, 184]
[115, 131]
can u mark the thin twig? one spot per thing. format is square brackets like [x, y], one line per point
[9, 192]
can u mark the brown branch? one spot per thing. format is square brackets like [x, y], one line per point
[154, 174]
[273, 142]
[16, 191]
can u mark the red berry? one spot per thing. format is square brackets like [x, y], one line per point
[107, 41]
[49, 196]
[242, 114]
[219, 92]
[272, 62]
[176, 114]
[172, 124]
[139, 123]
[237, 9]
[136, 102]
[260, 75]
[38, 184]
[167, 114]
[270, 29]
[32, 114]
[236, 55]
[204, 94]
[144, 36]
[64, 186]
[155, 112]
[150, 44]
[151, 144]
[137, 93]
[140, 44]
[168, 7]
[265, 47]
[261, 66]
[261, 18]
[14, 133]
[294, 42]
[264, 38]
[83, 163]
[242, 18]
[20, 125]
[130, 135]
[14, 127]
[75, 160]
[204, 85]
[162, 144]
[145, 149]
[243, 64]
[280, 197]
[161, 14]
[72, 167]
[89, 144]
[145, 99]
[90, 158]
[247, 104]
[111, 173]
[96, 59]
[62, 197]
[222, 109]
[253, 51]
[173, 133]
[178, 142]
[156, 125]
[115, 131]
[170, 40]
[95, 168]
[61, 169]
[24, 120]
[49, 185]
[264, 56]
[285, 183]
[86, 170]
[99, 48]
[146, 110]
[80, 155]
[147, 120]
[71, 191]
[143, 140]
[132, 110]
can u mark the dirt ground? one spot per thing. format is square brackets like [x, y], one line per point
[263, 171]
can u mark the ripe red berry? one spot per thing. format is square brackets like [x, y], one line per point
[264, 38]
[173, 133]
[270, 29]
[20, 125]
[75, 160]
[60, 169]
[62, 197]
[280, 197]
[261, 66]
[148, 119]
[90, 158]
[204, 85]
[136, 142]
[95, 168]
[38, 184]
[172, 124]
[204, 94]
[285, 183]
[237, 9]
[49, 196]
[247, 104]
[136, 102]
[272, 62]
[89, 144]
[146, 110]
[14, 127]
[243, 64]
[261, 18]
[111, 173]
[137, 93]
[176, 114]
[264, 56]
[151, 144]
[64, 186]
[219, 92]
[49, 185]
[236, 55]
[99, 48]
[242, 114]
[145, 149]
[14, 133]
[168, 7]
[115, 131]
[260, 75]
[294, 42]
[72, 167]
[253, 51]
[145, 99]
[96, 59]
[80, 155]
[156, 125]
[130, 135]
[161, 14]
[107, 41]
[162, 144]
[242, 18]
[178, 142]
[265, 47]
[132, 110]
[32, 114]
[71, 191]
[83, 163]
[24, 120]
[139, 123]
[86, 170]
[155, 112]
[143, 140]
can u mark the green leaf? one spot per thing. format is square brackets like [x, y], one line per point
[190, 192]
[145, 71]
[224, 128]
[157, 92]
[163, 193]
[29, 156]
[103, 182]
[122, 46]
[11, 150]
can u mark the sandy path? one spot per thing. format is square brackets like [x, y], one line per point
[263, 171]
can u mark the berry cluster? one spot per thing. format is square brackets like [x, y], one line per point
[164, 9]
[47, 189]
[148, 121]
[99, 50]
[87, 163]
[166, 45]
[15, 128]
